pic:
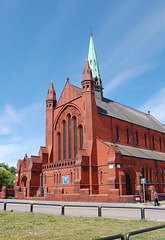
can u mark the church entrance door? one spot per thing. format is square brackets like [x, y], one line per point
[128, 184]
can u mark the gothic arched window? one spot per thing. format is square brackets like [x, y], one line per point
[150, 173]
[71, 178]
[137, 138]
[64, 140]
[101, 177]
[153, 142]
[160, 143]
[146, 174]
[145, 139]
[162, 173]
[117, 134]
[81, 136]
[69, 136]
[127, 134]
[59, 146]
[75, 136]
[142, 172]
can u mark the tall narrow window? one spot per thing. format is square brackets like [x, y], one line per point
[57, 179]
[64, 140]
[127, 134]
[160, 143]
[71, 178]
[142, 172]
[81, 136]
[59, 146]
[153, 142]
[69, 136]
[162, 173]
[145, 139]
[150, 173]
[137, 139]
[45, 179]
[101, 177]
[117, 133]
[60, 178]
[146, 174]
[54, 179]
[75, 136]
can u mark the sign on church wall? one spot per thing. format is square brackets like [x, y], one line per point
[65, 179]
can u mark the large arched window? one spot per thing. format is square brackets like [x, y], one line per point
[64, 140]
[81, 136]
[117, 133]
[75, 136]
[69, 136]
[59, 146]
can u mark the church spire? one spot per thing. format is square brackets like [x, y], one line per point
[93, 63]
[92, 59]
[51, 94]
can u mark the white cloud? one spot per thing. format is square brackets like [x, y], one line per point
[156, 106]
[124, 76]
[21, 131]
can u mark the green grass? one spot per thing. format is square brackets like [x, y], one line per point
[14, 225]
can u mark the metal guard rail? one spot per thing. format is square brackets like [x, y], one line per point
[143, 230]
[112, 237]
[142, 209]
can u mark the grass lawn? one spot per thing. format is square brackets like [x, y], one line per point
[14, 225]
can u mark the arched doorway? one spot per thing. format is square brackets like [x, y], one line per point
[130, 181]
[128, 184]
[23, 182]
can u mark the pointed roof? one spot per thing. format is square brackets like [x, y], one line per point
[51, 94]
[87, 72]
[92, 59]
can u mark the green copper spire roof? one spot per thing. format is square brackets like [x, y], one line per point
[92, 59]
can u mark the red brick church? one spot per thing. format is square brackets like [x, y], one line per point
[95, 149]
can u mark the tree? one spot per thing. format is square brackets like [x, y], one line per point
[6, 175]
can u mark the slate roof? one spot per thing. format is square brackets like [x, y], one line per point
[139, 152]
[78, 90]
[122, 112]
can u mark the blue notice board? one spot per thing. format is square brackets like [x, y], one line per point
[65, 179]
[143, 180]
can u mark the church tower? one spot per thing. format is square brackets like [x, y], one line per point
[50, 106]
[93, 63]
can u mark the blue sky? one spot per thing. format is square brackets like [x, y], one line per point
[44, 40]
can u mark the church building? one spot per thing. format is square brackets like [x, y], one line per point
[95, 149]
